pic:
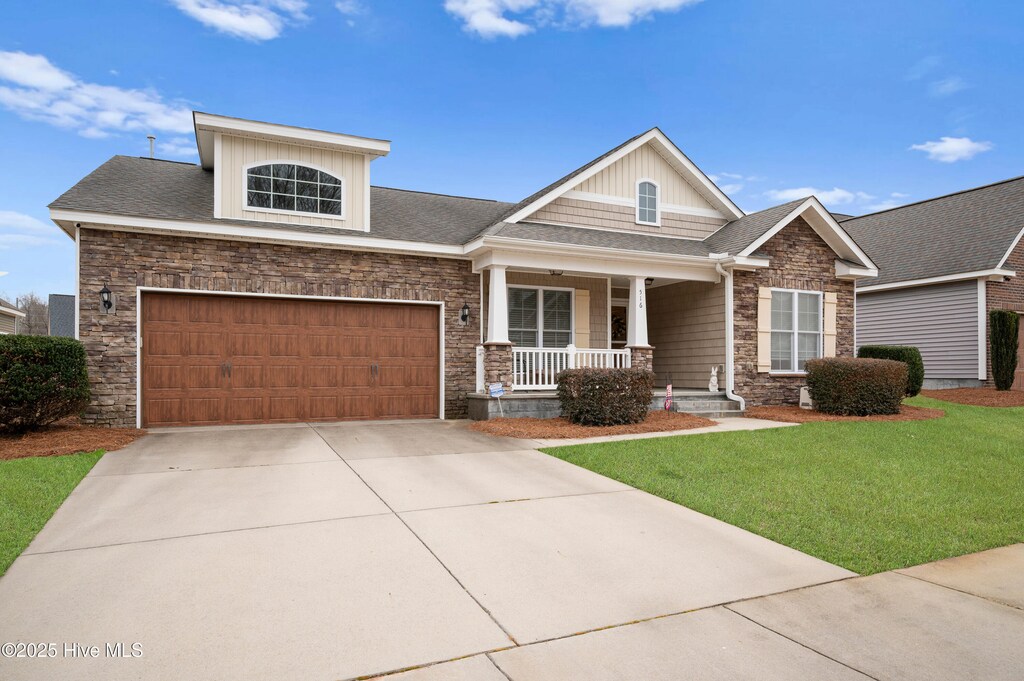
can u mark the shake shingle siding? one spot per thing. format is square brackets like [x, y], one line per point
[941, 321]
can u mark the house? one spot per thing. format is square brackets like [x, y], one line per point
[9, 318]
[272, 282]
[61, 315]
[944, 264]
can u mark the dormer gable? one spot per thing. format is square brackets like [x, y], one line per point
[265, 172]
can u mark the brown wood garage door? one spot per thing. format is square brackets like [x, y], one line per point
[210, 359]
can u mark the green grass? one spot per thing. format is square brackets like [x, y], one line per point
[867, 496]
[31, 490]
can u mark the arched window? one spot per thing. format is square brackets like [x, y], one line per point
[647, 203]
[294, 188]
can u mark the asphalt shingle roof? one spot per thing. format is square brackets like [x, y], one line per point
[583, 236]
[964, 232]
[4, 303]
[738, 234]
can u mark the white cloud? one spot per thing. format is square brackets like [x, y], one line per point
[732, 188]
[178, 147]
[952, 149]
[18, 230]
[835, 196]
[349, 7]
[513, 18]
[48, 94]
[251, 20]
[895, 199]
[923, 67]
[4, 274]
[947, 86]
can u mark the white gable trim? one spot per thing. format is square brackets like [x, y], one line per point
[1009, 250]
[826, 227]
[987, 275]
[683, 165]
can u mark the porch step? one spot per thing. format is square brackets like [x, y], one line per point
[699, 403]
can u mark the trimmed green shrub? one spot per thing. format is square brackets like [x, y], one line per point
[1003, 331]
[42, 379]
[907, 354]
[605, 397]
[856, 387]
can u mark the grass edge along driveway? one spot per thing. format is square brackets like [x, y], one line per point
[31, 490]
[869, 497]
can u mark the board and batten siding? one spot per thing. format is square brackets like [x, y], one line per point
[238, 152]
[941, 321]
[620, 178]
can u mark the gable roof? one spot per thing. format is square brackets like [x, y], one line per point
[969, 231]
[10, 309]
[683, 165]
[735, 236]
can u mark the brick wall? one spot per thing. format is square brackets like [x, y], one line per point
[1004, 295]
[799, 260]
[124, 261]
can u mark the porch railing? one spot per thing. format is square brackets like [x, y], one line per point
[536, 368]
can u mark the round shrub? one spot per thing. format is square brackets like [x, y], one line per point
[605, 397]
[856, 387]
[42, 379]
[1004, 328]
[907, 354]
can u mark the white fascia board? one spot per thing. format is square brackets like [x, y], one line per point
[995, 274]
[824, 225]
[11, 311]
[1009, 250]
[209, 123]
[655, 135]
[226, 231]
[741, 262]
[848, 272]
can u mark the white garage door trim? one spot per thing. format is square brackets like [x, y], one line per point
[241, 294]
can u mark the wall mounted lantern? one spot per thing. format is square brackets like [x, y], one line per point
[106, 299]
[649, 281]
[464, 317]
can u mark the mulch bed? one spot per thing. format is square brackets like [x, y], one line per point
[792, 414]
[66, 437]
[979, 397]
[557, 429]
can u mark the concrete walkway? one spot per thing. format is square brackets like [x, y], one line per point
[343, 551]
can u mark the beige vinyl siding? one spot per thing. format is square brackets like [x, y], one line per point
[8, 323]
[578, 212]
[620, 178]
[686, 326]
[941, 321]
[596, 287]
[239, 152]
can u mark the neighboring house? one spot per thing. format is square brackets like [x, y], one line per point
[273, 283]
[61, 309]
[944, 264]
[10, 318]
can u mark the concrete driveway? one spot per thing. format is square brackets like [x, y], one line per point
[348, 550]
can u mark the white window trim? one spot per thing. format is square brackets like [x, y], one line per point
[540, 309]
[657, 203]
[299, 213]
[795, 332]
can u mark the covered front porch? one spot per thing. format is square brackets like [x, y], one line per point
[540, 322]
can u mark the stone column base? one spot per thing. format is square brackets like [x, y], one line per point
[498, 363]
[642, 357]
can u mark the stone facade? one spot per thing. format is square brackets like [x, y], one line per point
[125, 261]
[642, 358]
[498, 363]
[1004, 295]
[799, 260]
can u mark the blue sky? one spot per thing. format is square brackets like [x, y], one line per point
[869, 104]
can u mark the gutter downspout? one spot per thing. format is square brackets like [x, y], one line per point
[730, 382]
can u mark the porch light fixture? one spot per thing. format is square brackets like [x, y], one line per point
[556, 273]
[464, 317]
[649, 281]
[106, 298]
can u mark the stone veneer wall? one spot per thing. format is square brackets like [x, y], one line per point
[1004, 295]
[124, 261]
[799, 260]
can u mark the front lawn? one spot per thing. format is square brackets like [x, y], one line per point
[867, 496]
[31, 490]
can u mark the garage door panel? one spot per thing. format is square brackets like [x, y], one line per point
[290, 360]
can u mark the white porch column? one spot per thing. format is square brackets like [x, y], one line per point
[636, 322]
[497, 307]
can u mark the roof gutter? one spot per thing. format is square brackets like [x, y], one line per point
[992, 275]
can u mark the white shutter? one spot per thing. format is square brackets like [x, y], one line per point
[582, 321]
[764, 329]
[829, 324]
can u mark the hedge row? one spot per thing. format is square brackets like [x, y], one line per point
[907, 354]
[605, 397]
[856, 387]
[42, 379]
